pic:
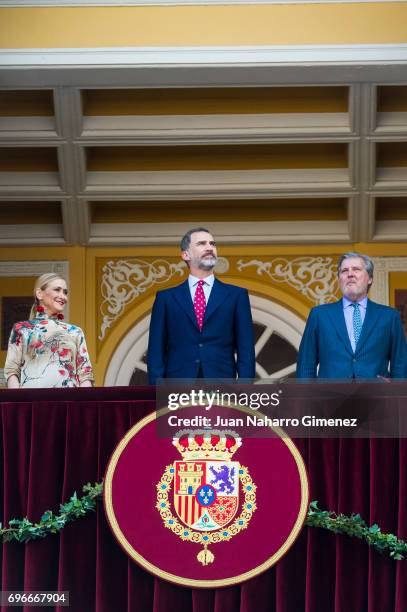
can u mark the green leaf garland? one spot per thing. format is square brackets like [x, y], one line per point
[23, 530]
[355, 527]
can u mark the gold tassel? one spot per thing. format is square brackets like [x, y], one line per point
[205, 556]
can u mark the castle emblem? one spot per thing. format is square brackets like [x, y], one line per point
[208, 490]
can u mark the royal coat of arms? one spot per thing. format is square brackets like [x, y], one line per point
[208, 490]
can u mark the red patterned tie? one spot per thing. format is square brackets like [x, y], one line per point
[199, 304]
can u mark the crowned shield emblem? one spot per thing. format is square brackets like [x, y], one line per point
[205, 487]
[206, 493]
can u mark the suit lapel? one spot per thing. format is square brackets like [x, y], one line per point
[338, 322]
[182, 295]
[219, 293]
[372, 314]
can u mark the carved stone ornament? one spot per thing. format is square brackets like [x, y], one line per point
[314, 277]
[124, 280]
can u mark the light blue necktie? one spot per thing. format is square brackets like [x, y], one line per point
[357, 322]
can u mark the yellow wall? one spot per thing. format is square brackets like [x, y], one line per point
[292, 24]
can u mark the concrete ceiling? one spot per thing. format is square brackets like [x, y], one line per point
[124, 155]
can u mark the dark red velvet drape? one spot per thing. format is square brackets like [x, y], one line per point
[55, 441]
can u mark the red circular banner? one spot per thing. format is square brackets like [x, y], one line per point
[208, 508]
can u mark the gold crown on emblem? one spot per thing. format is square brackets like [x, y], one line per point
[207, 444]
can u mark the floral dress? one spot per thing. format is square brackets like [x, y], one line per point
[47, 352]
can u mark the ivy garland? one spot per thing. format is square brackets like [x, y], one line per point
[23, 530]
[355, 527]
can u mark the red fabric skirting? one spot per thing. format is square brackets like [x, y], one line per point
[54, 441]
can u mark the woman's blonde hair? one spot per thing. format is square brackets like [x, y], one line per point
[42, 283]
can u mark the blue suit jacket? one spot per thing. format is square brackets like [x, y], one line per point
[223, 349]
[381, 349]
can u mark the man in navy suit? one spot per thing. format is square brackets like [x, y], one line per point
[203, 327]
[354, 337]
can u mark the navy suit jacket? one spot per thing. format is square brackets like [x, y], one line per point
[380, 351]
[223, 349]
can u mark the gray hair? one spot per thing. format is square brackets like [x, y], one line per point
[186, 239]
[369, 265]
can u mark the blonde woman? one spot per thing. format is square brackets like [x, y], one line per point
[45, 351]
